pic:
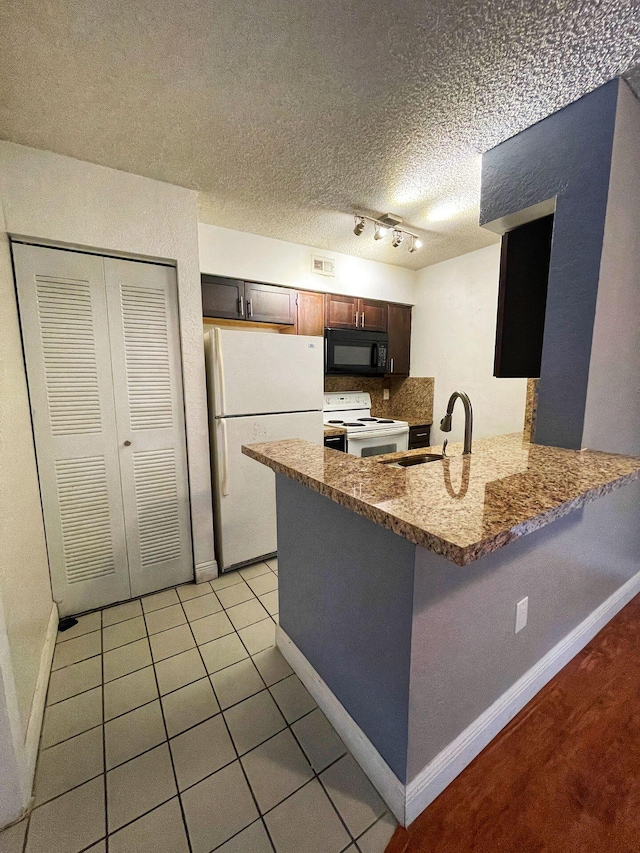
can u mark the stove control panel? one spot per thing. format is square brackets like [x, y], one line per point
[337, 400]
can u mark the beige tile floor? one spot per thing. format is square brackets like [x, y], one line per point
[174, 725]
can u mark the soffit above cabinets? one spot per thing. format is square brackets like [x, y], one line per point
[309, 110]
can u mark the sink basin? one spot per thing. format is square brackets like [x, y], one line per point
[409, 461]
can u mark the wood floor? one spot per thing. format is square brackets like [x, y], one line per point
[563, 776]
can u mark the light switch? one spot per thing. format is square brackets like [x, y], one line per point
[385, 393]
[522, 611]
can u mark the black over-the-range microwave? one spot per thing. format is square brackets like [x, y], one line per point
[354, 352]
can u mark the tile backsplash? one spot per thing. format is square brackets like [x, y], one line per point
[410, 397]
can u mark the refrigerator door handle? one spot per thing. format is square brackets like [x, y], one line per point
[225, 459]
[223, 405]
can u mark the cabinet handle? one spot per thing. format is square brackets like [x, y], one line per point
[356, 319]
[127, 443]
[391, 365]
[362, 321]
[241, 306]
[421, 435]
[249, 308]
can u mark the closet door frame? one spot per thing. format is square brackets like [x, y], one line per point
[69, 603]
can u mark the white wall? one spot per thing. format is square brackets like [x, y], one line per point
[240, 255]
[612, 411]
[453, 339]
[26, 605]
[62, 201]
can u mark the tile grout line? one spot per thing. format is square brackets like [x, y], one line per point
[164, 630]
[168, 693]
[173, 768]
[233, 742]
[155, 746]
[289, 726]
[159, 697]
[104, 745]
[141, 598]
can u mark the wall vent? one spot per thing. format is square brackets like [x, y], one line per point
[323, 266]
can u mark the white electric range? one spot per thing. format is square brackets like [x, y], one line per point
[366, 435]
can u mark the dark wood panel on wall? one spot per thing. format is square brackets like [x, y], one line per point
[522, 299]
[310, 313]
[399, 328]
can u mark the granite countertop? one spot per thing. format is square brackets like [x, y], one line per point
[414, 421]
[334, 430]
[461, 507]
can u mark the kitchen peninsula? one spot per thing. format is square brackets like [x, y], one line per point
[398, 596]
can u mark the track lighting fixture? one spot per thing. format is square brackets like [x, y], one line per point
[381, 227]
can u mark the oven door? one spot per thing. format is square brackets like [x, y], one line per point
[355, 353]
[376, 443]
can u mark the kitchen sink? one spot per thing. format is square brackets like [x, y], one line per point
[409, 461]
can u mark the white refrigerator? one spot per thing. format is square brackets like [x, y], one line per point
[261, 387]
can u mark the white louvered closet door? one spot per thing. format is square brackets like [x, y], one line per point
[67, 350]
[145, 354]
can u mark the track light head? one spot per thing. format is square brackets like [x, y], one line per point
[380, 231]
[416, 243]
[397, 238]
[359, 227]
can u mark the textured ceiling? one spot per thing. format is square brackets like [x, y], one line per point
[288, 114]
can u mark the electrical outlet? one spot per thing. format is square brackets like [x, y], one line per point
[385, 393]
[522, 612]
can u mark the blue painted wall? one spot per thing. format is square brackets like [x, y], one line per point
[568, 156]
[346, 600]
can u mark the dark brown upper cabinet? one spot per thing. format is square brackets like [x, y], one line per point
[399, 329]
[269, 303]
[373, 315]
[232, 299]
[522, 299]
[349, 312]
[223, 297]
[341, 312]
[310, 313]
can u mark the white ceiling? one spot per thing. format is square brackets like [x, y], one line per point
[287, 115]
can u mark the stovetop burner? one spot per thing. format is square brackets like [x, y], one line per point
[368, 419]
[335, 422]
[385, 421]
[354, 424]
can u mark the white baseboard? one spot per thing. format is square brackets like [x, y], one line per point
[449, 763]
[381, 775]
[36, 716]
[407, 802]
[206, 571]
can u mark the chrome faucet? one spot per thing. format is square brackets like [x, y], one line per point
[445, 423]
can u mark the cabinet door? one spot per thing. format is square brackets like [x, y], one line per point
[223, 297]
[341, 312]
[419, 436]
[522, 299]
[268, 303]
[310, 313]
[373, 315]
[399, 339]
